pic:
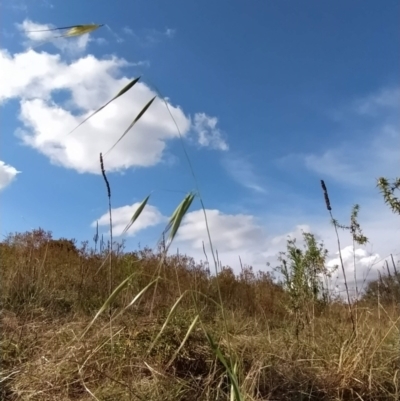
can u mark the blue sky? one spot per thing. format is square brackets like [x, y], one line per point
[271, 97]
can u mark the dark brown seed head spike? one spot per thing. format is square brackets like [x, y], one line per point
[104, 176]
[327, 202]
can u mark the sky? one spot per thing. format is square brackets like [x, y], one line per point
[270, 97]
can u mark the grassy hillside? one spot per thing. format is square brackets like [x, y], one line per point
[173, 341]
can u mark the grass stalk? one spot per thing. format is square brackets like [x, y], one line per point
[110, 249]
[335, 225]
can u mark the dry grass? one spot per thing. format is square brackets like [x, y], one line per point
[51, 290]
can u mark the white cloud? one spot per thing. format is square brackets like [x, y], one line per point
[208, 135]
[242, 171]
[37, 34]
[7, 174]
[121, 216]
[364, 263]
[35, 78]
[233, 236]
[55, 95]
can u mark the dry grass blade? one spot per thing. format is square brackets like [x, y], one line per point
[176, 218]
[171, 312]
[133, 123]
[190, 329]
[73, 31]
[78, 30]
[108, 302]
[120, 93]
[97, 349]
[136, 215]
[230, 372]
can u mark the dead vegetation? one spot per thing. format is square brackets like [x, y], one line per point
[51, 289]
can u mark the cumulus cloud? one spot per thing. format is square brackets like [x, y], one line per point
[230, 232]
[121, 216]
[7, 174]
[360, 267]
[233, 236]
[208, 135]
[87, 84]
[55, 95]
[357, 258]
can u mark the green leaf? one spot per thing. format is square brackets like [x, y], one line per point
[120, 93]
[133, 122]
[136, 215]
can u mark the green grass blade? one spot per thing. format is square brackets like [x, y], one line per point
[133, 122]
[138, 295]
[177, 217]
[233, 392]
[108, 302]
[171, 312]
[136, 298]
[229, 371]
[190, 329]
[120, 93]
[136, 215]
